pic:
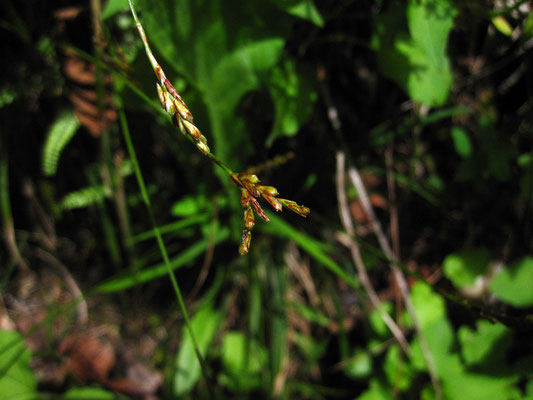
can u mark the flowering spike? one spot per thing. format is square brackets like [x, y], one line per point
[182, 118]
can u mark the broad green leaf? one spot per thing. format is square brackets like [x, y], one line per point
[486, 343]
[17, 381]
[129, 280]
[88, 393]
[461, 142]
[58, 136]
[112, 7]
[415, 57]
[514, 284]
[463, 268]
[243, 362]
[293, 97]
[460, 383]
[205, 325]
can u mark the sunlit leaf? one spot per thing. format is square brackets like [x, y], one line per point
[463, 268]
[17, 380]
[514, 284]
[413, 53]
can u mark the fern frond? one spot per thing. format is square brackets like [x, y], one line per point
[58, 136]
[85, 197]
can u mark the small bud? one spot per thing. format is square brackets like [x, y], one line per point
[192, 130]
[203, 148]
[257, 208]
[253, 179]
[169, 104]
[249, 219]
[245, 244]
[183, 110]
[291, 205]
[181, 126]
[203, 139]
[276, 205]
[268, 190]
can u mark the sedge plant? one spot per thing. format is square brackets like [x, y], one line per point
[249, 184]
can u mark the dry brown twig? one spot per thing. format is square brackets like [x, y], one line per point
[398, 276]
[346, 239]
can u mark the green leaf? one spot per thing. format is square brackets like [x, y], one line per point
[205, 325]
[113, 7]
[129, 280]
[415, 57]
[376, 391]
[502, 25]
[311, 349]
[514, 284]
[377, 323]
[486, 342]
[88, 393]
[243, 362]
[461, 142]
[527, 32]
[460, 383]
[293, 97]
[17, 381]
[399, 372]
[359, 365]
[58, 136]
[431, 312]
[310, 314]
[304, 9]
[463, 268]
[188, 206]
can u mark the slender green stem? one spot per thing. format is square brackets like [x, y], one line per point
[161, 244]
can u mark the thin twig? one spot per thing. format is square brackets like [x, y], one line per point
[356, 255]
[398, 275]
